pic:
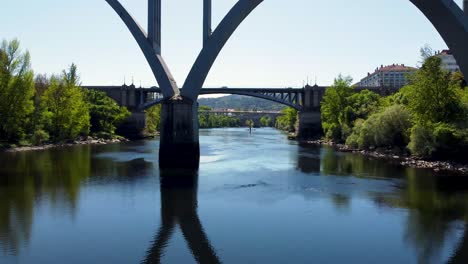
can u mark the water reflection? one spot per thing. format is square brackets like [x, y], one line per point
[179, 206]
[28, 179]
[432, 208]
[435, 202]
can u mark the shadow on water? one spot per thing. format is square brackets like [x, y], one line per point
[432, 203]
[179, 206]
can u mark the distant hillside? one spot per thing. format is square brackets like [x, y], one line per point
[240, 102]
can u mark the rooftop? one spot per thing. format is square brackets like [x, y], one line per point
[394, 67]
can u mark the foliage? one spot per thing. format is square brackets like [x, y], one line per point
[336, 110]
[105, 113]
[265, 121]
[287, 121]
[426, 52]
[153, 119]
[433, 95]
[422, 141]
[210, 120]
[16, 91]
[66, 107]
[440, 140]
[249, 123]
[388, 128]
[39, 137]
[429, 117]
[240, 102]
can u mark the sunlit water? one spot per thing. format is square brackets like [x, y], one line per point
[258, 199]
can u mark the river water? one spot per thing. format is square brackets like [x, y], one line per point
[257, 199]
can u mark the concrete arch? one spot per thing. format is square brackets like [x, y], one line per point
[158, 65]
[447, 17]
[451, 23]
[213, 46]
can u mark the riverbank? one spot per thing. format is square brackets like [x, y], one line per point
[402, 158]
[83, 141]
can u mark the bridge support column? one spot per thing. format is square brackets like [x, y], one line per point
[310, 121]
[179, 141]
[310, 125]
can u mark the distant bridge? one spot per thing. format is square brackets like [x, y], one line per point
[307, 98]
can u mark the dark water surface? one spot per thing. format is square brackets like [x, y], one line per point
[258, 199]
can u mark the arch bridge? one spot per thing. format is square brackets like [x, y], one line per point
[305, 100]
[179, 144]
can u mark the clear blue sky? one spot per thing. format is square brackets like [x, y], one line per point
[281, 43]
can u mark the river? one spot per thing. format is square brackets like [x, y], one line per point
[258, 198]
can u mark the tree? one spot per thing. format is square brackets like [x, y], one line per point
[265, 121]
[39, 118]
[433, 95]
[426, 52]
[105, 113]
[153, 119]
[16, 91]
[250, 123]
[287, 121]
[66, 106]
[333, 107]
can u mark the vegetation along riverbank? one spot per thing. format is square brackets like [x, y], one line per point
[425, 123]
[37, 110]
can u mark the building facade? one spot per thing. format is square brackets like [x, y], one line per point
[448, 61]
[391, 76]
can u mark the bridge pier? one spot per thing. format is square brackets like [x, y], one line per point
[310, 125]
[310, 121]
[179, 141]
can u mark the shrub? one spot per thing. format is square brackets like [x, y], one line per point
[422, 141]
[39, 137]
[387, 128]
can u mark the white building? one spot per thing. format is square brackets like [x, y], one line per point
[391, 76]
[448, 61]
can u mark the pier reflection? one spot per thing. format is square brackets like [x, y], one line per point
[179, 207]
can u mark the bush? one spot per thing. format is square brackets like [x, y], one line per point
[422, 142]
[384, 129]
[39, 137]
[24, 143]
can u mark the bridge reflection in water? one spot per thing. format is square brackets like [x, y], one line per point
[179, 204]
[30, 186]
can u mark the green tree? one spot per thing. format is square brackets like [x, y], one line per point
[333, 108]
[66, 107]
[16, 91]
[105, 113]
[287, 121]
[433, 95]
[265, 121]
[39, 119]
[153, 119]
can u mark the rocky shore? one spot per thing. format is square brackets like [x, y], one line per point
[402, 158]
[82, 141]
